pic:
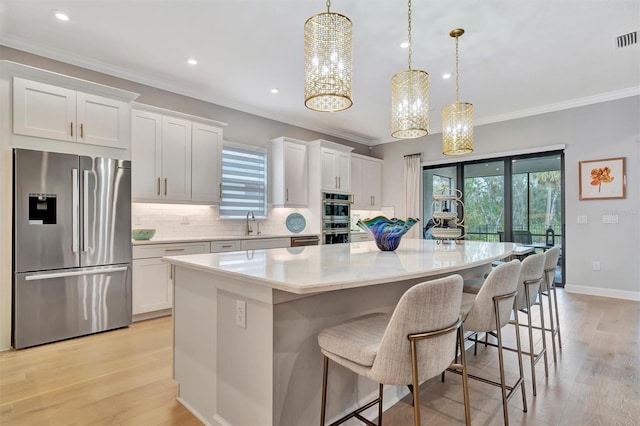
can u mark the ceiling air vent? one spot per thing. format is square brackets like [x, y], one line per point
[628, 39]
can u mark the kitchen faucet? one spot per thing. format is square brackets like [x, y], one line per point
[249, 229]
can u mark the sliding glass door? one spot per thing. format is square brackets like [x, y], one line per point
[516, 198]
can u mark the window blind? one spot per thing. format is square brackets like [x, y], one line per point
[244, 182]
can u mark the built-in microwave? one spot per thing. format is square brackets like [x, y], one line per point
[335, 206]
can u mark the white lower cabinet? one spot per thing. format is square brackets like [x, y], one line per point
[152, 280]
[265, 243]
[360, 236]
[226, 245]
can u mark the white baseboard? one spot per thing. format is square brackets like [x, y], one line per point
[194, 412]
[603, 292]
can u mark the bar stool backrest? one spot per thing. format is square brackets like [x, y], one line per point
[428, 306]
[502, 280]
[550, 262]
[531, 270]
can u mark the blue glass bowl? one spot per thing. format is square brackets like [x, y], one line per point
[386, 232]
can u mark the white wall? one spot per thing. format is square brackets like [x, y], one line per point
[604, 130]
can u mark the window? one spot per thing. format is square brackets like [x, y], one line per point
[244, 182]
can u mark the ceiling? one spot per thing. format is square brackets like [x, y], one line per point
[517, 58]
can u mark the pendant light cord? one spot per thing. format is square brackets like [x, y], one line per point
[409, 28]
[457, 87]
[328, 6]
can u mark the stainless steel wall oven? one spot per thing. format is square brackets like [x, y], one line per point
[336, 218]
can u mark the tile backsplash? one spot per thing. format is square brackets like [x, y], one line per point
[188, 220]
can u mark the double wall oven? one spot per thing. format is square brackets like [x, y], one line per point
[336, 218]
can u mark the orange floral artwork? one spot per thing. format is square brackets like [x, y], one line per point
[601, 175]
[603, 179]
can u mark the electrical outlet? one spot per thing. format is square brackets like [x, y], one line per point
[241, 313]
[596, 265]
[184, 220]
[610, 218]
[582, 219]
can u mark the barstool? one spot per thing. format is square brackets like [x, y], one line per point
[551, 261]
[529, 289]
[412, 345]
[489, 311]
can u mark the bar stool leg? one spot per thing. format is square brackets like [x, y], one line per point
[520, 368]
[324, 390]
[416, 384]
[465, 381]
[544, 338]
[532, 356]
[555, 302]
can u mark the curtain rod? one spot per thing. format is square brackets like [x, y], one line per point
[411, 155]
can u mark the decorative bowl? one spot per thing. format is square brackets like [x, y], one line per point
[142, 234]
[386, 232]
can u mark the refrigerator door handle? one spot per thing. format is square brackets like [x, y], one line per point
[85, 210]
[74, 211]
[35, 277]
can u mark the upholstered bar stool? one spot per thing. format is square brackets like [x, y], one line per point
[529, 286]
[489, 311]
[548, 285]
[412, 345]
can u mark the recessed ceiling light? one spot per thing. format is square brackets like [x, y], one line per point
[446, 75]
[404, 44]
[61, 16]
[275, 90]
[192, 61]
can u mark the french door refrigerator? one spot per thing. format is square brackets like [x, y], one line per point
[71, 246]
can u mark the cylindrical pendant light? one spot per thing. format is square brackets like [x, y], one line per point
[457, 118]
[328, 61]
[410, 100]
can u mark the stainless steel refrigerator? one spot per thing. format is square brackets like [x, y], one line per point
[71, 246]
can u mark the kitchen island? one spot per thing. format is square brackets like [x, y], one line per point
[245, 323]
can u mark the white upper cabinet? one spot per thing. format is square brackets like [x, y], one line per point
[174, 158]
[146, 155]
[366, 182]
[47, 111]
[336, 170]
[290, 174]
[206, 157]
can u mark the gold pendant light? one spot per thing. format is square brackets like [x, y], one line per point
[457, 118]
[328, 61]
[410, 100]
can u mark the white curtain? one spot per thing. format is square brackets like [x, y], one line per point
[412, 193]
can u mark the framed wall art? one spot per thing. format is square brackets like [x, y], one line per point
[602, 179]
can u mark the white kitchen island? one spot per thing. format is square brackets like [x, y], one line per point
[246, 323]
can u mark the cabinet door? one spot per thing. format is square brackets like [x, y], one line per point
[360, 199]
[343, 171]
[372, 183]
[102, 121]
[44, 111]
[328, 161]
[295, 175]
[206, 150]
[151, 286]
[176, 159]
[146, 155]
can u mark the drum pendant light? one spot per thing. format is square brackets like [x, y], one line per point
[328, 61]
[457, 118]
[410, 100]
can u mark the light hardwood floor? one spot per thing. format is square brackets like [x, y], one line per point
[123, 377]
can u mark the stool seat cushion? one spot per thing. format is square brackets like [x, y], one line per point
[467, 303]
[357, 340]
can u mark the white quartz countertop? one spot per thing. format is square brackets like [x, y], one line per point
[172, 240]
[313, 269]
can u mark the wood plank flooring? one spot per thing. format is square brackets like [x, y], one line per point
[123, 377]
